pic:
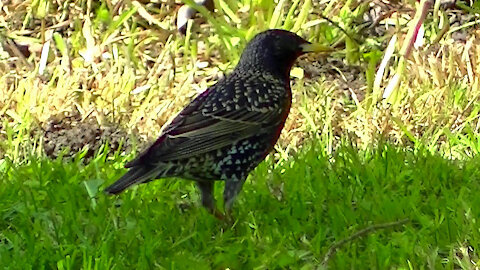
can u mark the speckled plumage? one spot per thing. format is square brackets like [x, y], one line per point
[227, 130]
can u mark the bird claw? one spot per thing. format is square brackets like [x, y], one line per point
[227, 217]
[216, 213]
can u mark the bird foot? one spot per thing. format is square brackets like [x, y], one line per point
[226, 217]
[219, 215]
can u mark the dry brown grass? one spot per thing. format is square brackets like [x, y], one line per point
[137, 75]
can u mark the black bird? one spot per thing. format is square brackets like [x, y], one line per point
[227, 130]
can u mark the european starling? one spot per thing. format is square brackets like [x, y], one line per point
[227, 130]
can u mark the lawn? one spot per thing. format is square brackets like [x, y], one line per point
[288, 216]
[358, 179]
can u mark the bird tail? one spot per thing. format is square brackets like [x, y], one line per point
[135, 175]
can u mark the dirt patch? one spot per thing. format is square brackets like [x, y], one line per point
[68, 134]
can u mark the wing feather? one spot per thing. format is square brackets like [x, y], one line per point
[196, 131]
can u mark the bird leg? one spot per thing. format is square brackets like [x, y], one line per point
[208, 201]
[232, 188]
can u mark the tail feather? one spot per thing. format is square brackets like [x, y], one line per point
[135, 175]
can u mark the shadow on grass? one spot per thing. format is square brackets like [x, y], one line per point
[54, 214]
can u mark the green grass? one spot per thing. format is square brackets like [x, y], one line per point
[297, 204]
[54, 215]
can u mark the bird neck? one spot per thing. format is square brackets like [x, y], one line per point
[256, 59]
[280, 73]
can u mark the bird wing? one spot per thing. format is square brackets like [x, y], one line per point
[195, 131]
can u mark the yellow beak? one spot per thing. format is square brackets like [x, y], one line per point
[315, 47]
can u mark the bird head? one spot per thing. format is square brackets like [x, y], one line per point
[275, 51]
